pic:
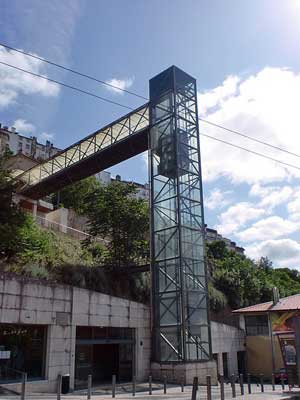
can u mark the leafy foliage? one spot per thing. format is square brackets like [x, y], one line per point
[74, 196]
[112, 282]
[116, 215]
[244, 282]
[11, 217]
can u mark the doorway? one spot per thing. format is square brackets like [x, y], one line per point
[112, 354]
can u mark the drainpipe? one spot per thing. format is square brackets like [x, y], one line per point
[297, 345]
[276, 298]
[272, 343]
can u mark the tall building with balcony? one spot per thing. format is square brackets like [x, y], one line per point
[11, 140]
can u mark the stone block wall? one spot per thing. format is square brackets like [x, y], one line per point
[176, 373]
[61, 308]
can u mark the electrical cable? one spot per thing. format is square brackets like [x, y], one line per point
[67, 86]
[73, 71]
[250, 151]
[133, 94]
[248, 137]
[132, 109]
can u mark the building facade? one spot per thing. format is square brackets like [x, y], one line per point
[212, 235]
[50, 329]
[11, 140]
[271, 330]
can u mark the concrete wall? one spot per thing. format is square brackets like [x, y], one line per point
[230, 340]
[185, 372]
[59, 216]
[62, 308]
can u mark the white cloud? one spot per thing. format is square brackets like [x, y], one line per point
[23, 126]
[119, 84]
[13, 83]
[293, 206]
[46, 136]
[264, 106]
[237, 216]
[217, 199]
[272, 227]
[271, 196]
[217, 96]
[283, 252]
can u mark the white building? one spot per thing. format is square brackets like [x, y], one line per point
[212, 235]
[29, 146]
[143, 190]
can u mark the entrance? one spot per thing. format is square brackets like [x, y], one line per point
[103, 352]
[105, 362]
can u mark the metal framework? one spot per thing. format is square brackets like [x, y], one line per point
[114, 143]
[181, 326]
[181, 330]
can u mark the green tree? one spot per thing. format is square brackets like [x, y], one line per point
[74, 196]
[115, 214]
[217, 250]
[12, 218]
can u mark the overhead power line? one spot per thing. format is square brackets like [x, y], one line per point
[251, 151]
[73, 71]
[132, 109]
[249, 137]
[67, 86]
[131, 93]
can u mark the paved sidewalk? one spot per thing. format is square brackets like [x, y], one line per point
[173, 393]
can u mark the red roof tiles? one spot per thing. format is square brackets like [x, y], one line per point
[284, 304]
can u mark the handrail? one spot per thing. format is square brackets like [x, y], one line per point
[65, 228]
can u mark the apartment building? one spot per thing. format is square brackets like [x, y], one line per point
[11, 140]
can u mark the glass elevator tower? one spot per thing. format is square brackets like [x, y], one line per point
[180, 323]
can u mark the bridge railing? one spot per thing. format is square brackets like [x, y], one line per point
[107, 136]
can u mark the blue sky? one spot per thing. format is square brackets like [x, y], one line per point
[245, 57]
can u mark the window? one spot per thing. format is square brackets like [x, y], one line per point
[257, 325]
[24, 350]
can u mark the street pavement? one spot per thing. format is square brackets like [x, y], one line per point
[173, 393]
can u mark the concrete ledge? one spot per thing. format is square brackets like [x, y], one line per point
[175, 372]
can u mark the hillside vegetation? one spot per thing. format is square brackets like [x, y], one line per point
[115, 214]
[237, 281]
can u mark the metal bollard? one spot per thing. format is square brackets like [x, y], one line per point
[165, 384]
[273, 382]
[89, 394]
[249, 383]
[59, 381]
[150, 384]
[242, 384]
[233, 386]
[222, 390]
[182, 384]
[208, 387]
[113, 392]
[262, 383]
[195, 388]
[24, 381]
[133, 385]
[282, 381]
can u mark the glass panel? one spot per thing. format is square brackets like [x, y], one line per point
[168, 275]
[24, 347]
[166, 244]
[165, 214]
[169, 310]
[177, 214]
[170, 344]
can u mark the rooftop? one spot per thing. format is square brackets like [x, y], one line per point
[284, 304]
